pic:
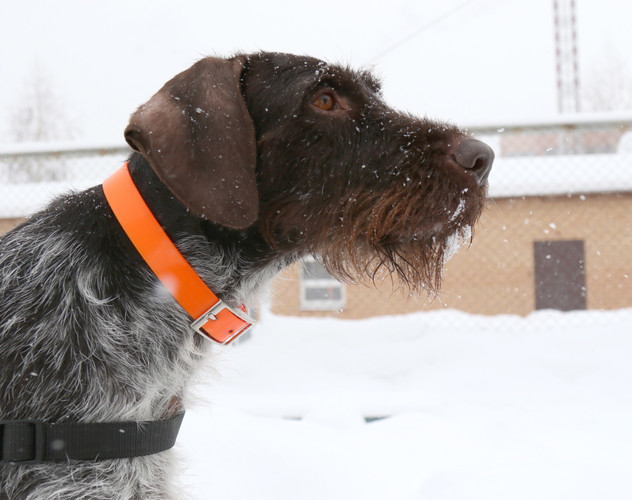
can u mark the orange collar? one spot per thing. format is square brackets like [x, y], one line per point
[212, 317]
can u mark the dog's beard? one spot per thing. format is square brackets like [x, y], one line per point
[373, 235]
[417, 265]
[413, 261]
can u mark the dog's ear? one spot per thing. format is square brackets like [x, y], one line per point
[197, 134]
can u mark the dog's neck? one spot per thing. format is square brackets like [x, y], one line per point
[172, 214]
[236, 265]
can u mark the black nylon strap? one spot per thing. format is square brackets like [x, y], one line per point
[28, 441]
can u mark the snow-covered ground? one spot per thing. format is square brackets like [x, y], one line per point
[478, 408]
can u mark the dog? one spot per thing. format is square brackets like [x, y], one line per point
[249, 164]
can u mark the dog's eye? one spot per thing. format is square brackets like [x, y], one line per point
[325, 101]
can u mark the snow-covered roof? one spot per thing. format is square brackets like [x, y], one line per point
[564, 121]
[555, 175]
[61, 147]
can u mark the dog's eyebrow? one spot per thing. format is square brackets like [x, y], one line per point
[347, 81]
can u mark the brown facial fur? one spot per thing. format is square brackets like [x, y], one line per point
[364, 187]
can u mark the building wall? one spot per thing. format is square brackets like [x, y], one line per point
[496, 274]
[7, 224]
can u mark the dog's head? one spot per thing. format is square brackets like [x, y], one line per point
[311, 154]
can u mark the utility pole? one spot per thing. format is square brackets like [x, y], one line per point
[567, 70]
[567, 67]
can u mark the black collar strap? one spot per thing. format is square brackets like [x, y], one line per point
[31, 442]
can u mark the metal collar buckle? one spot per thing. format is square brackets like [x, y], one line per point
[218, 313]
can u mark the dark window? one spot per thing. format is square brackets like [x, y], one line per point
[559, 275]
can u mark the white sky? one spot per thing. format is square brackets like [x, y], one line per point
[489, 60]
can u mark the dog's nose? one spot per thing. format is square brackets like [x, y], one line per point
[475, 156]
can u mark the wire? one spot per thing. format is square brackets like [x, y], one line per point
[425, 27]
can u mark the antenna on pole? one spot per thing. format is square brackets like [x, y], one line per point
[567, 67]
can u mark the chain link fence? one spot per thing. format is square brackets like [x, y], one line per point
[557, 232]
[32, 174]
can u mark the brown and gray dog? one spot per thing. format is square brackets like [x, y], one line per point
[249, 164]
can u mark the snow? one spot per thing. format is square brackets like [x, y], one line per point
[461, 237]
[478, 408]
[561, 175]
